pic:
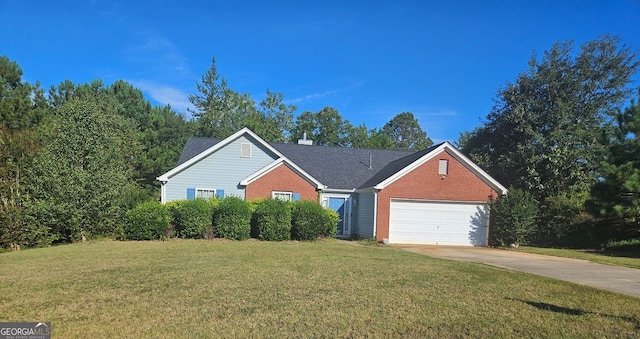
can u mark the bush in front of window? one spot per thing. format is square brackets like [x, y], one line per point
[310, 221]
[192, 218]
[272, 220]
[232, 219]
[147, 221]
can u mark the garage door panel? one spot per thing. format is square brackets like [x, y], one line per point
[438, 223]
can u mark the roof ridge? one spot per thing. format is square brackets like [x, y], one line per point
[343, 147]
[410, 152]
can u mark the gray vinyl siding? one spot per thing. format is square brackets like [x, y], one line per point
[223, 169]
[365, 212]
[354, 214]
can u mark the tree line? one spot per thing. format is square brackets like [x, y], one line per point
[564, 133]
[75, 158]
[561, 133]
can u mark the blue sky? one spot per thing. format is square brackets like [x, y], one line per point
[443, 61]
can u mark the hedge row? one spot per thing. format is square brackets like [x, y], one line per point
[230, 218]
[272, 220]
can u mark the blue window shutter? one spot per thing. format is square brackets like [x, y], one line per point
[191, 193]
[295, 196]
[219, 193]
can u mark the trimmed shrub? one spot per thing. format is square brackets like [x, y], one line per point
[272, 220]
[514, 217]
[232, 218]
[147, 221]
[309, 221]
[192, 218]
[332, 225]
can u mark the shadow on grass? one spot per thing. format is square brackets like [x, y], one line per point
[575, 311]
[621, 253]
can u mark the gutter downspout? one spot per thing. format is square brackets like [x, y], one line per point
[163, 192]
[375, 214]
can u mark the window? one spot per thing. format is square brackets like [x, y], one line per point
[286, 196]
[443, 167]
[205, 193]
[245, 150]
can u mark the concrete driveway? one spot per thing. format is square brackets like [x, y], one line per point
[611, 278]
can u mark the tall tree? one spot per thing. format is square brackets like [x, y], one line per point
[22, 105]
[616, 196]
[358, 137]
[219, 110]
[22, 109]
[67, 91]
[362, 137]
[543, 132]
[331, 128]
[405, 133]
[273, 120]
[305, 123]
[160, 131]
[78, 179]
[379, 140]
[151, 125]
[17, 149]
[163, 145]
[325, 127]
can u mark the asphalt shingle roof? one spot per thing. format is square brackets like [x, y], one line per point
[338, 167]
[395, 166]
[195, 146]
[335, 167]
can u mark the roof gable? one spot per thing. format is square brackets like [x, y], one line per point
[282, 162]
[395, 166]
[405, 166]
[198, 144]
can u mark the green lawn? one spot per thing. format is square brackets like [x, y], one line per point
[292, 289]
[617, 259]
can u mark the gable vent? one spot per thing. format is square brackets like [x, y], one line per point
[245, 150]
[443, 167]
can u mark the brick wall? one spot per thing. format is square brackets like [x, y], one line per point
[424, 182]
[281, 178]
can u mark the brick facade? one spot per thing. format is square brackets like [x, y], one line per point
[281, 178]
[424, 182]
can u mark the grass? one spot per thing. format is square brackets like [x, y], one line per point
[203, 289]
[601, 257]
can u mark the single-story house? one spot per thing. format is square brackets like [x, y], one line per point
[433, 196]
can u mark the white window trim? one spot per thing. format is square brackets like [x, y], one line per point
[198, 190]
[289, 194]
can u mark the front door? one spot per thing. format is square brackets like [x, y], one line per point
[339, 204]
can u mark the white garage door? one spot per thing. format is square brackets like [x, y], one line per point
[438, 223]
